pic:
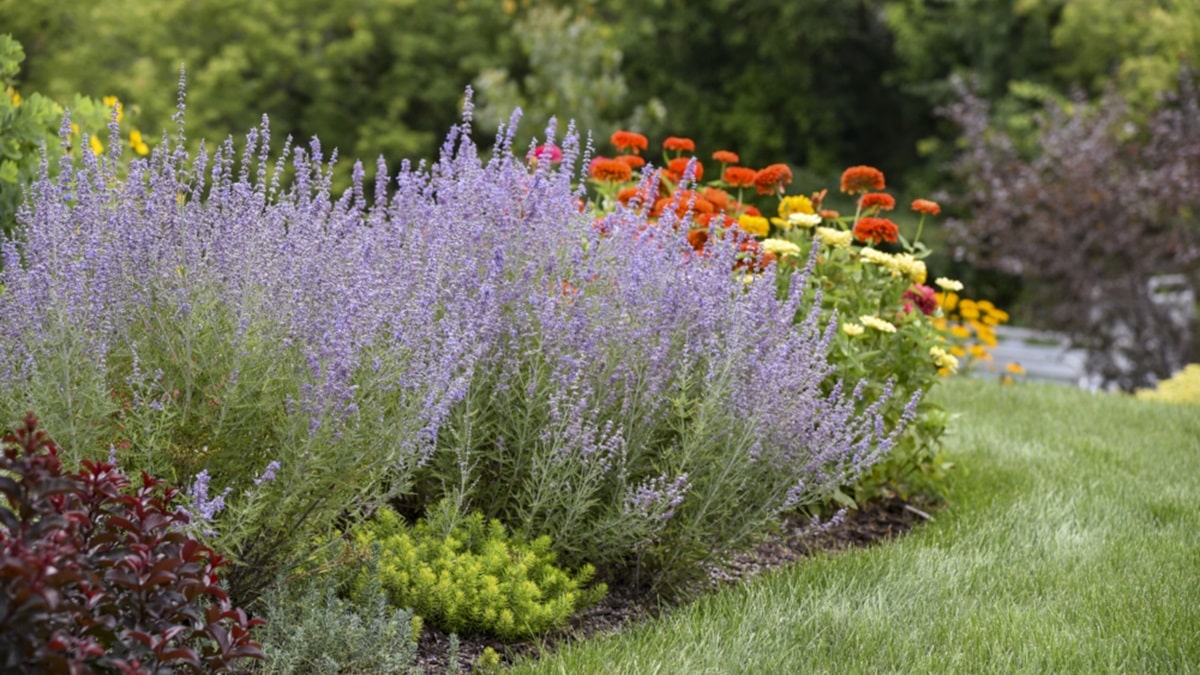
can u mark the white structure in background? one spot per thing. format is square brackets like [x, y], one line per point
[1049, 356]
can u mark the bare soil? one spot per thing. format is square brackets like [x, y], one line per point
[872, 523]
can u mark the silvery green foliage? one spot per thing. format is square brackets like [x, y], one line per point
[462, 329]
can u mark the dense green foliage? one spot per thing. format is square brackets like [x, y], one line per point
[848, 82]
[467, 575]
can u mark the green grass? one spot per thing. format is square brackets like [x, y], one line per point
[1071, 545]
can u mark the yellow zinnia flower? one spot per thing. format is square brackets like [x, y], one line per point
[877, 323]
[755, 225]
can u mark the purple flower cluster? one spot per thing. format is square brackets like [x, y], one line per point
[401, 298]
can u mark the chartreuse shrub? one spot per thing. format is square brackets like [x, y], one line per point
[469, 575]
[98, 575]
[1182, 387]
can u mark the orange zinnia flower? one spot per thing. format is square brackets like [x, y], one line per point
[877, 200]
[828, 214]
[862, 179]
[739, 176]
[628, 140]
[611, 170]
[875, 230]
[633, 161]
[772, 179]
[685, 201]
[726, 157]
[926, 206]
[698, 237]
[718, 198]
[628, 194]
[679, 144]
[678, 165]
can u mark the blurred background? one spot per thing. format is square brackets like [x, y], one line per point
[1060, 136]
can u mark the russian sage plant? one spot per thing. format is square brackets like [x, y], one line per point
[462, 330]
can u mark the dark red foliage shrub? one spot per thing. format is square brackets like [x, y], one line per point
[1090, 216]
[98, 576]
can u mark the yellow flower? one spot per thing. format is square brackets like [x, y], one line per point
[943, 360]
[16, 98]
[948, 284]
[795, 204]
[112, 101]
[139, 146]
[960, 331]
[97, 146]
[876, 323]
[948, 301]
[74, 129]
[780, 247]
[878, 257]
[755, 225]
[835, 238]
[1015, 368]
[852, 329]
[906, 264]
[968, 309]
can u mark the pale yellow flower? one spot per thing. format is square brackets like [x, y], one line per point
[755, 225]
[852, 329]
[910, 267]
[780, 247]
[834, 237]
[942, 359]
[948, 284]
[805, 220]
[878, 257]
[876, 323]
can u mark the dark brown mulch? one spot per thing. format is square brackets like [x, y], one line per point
[872, 523]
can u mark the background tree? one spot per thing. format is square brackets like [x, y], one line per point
[1091, 221]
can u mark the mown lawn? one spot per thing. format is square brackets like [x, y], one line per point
[1070, 545]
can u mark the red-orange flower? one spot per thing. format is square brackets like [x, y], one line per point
[877, 200]
[679, 144]
[753, 257]
[726, 157]
[685, 201]
[752, 211]
[629, 141]
[771, 179]
[828, 214]
[875, 230]
[611, 170]
[862, 179]
[628, 194]
[633, 161]
[719, 198]
[926, 206]
[739, 176]
[698, 237]
[678, 165]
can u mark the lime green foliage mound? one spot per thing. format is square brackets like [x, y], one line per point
[1184, 387]
[471, 577]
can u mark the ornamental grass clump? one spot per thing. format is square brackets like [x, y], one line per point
[461, 330]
